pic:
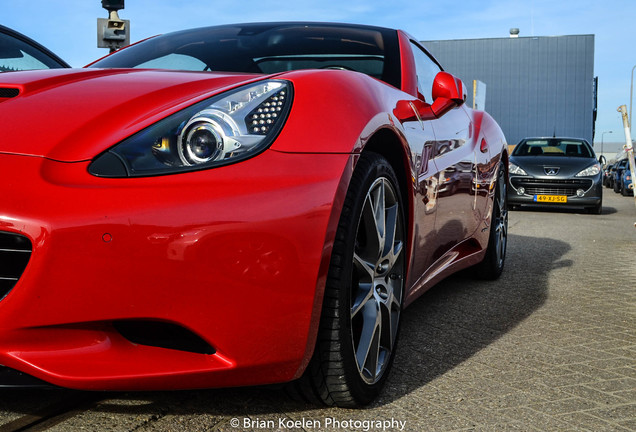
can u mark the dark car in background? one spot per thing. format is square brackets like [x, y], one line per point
[617, 174]
[608, 175]
[627, 182]
[19, 52]
[622, 178]
[555, 172]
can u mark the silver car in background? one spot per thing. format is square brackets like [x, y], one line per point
[555, 172]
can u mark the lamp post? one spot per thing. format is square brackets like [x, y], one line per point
[602, 140]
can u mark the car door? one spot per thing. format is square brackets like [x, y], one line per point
[425, 198]
[427, 178]
[457, 207]
[455, 161]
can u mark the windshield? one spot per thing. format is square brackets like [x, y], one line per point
[268, 49]
[17, 55]
[556, 147]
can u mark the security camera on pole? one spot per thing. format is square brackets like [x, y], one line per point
[113, 32]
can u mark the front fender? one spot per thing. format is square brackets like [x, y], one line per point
[336, 111]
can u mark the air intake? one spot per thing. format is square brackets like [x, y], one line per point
[163, 335]
[9, 92]
[13, 378]
[15, 252]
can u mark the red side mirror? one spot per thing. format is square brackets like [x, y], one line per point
[448, 92]
[447, 86]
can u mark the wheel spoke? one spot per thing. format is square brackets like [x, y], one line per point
[390, 310]
[379, 201]
[396, 300]
[390, 229]
[364, 292]
[369, 237]
[369, 344]
[377, 197]
[366, 269]
[394, 255]
[502, 239]
[499, 246]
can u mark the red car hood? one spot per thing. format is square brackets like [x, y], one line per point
[74, 114]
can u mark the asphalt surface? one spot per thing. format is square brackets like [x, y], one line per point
[551, 346]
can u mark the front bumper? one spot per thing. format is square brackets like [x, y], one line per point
[578, 192]
[223, 256]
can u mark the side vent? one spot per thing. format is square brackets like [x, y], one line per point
[6, 92]
[15, 252]
[162, 335]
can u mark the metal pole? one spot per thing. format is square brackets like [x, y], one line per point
[631, 92]
[629, 149]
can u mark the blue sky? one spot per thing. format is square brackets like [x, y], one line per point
[69, 27]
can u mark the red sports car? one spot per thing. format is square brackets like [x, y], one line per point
[238, 205]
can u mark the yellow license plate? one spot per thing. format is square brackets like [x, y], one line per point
[551, 198]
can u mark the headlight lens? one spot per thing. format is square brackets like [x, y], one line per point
[224, 129]
[514, 169]
[590, 171]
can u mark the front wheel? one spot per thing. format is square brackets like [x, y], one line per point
[364, 291]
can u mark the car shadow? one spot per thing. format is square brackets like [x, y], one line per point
[461, 316]
[448, 325]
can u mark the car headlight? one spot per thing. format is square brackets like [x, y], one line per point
[590, 171]
[514, 169]
[224, 129]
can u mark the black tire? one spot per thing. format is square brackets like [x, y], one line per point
[597, 209]
[617, 187]
[454, 188]
[625, 191]
[493, 263]
[364, 291]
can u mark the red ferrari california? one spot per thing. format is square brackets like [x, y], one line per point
[238, 205]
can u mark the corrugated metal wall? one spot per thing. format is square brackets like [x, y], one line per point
[535, 86]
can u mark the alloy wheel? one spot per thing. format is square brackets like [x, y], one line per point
[377, 280]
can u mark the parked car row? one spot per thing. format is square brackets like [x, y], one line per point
[618, 176]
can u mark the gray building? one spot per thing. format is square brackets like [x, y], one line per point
[535, 86]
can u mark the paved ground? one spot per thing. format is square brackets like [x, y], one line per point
[551, 346]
